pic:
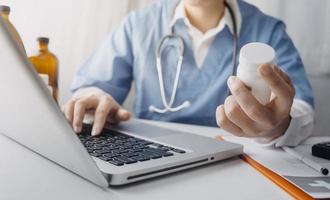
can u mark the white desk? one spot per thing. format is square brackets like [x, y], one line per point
[25, 175]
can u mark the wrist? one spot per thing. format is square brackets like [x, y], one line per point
[280, 129]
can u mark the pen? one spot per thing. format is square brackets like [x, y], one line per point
[307, 161]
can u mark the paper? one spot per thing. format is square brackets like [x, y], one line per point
[282, 163]
[317, 187]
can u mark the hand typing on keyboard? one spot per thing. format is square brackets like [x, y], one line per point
[93, 100]
[120, 149]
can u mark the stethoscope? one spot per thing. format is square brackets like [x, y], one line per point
[168, 106]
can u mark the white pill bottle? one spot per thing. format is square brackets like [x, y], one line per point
[252, 55]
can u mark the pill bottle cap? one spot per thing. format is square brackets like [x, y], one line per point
[255, 54]
[43, 39]
[4, 8]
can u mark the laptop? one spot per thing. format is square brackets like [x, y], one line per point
[129, 152]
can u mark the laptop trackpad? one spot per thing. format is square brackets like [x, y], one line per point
[139, 128]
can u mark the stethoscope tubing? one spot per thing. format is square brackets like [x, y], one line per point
[168, 106]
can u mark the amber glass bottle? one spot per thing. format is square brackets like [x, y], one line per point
[47, 63]
[5, 11]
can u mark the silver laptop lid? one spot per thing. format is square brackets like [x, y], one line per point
[29, 115]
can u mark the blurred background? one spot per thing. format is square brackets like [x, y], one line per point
[76, 28]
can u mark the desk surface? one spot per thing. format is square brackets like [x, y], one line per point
[25, 175]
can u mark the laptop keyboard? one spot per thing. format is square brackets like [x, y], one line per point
[120, 149]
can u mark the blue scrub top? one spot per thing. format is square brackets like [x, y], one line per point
[128, 54]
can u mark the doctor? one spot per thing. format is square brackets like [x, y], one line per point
[206, 33]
